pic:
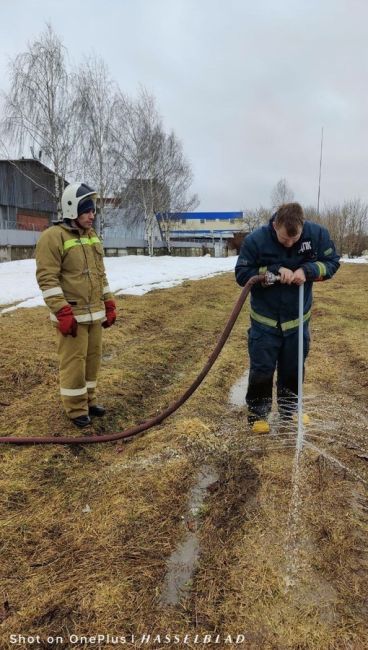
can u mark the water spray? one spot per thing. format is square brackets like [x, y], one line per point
[300, 436]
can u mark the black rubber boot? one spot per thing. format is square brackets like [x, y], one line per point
[82, 421]
[99, 411]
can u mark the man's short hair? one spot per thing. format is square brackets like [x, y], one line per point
[291, 216]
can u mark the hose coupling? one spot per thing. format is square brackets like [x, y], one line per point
[270, 279]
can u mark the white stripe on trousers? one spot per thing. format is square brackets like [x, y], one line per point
[70, 392]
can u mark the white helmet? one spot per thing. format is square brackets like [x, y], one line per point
[72, 195]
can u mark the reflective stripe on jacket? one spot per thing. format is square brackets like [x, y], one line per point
[71, 271]
[277, 305]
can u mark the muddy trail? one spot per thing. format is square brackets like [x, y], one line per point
[198, 526]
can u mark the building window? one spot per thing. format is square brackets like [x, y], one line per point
[203, 220]
[183, 220]
[232, 220]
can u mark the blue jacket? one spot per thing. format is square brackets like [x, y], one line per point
[277, 305]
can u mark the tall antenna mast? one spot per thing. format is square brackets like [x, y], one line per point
[320, 170]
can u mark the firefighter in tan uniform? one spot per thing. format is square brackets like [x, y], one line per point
[72, 278]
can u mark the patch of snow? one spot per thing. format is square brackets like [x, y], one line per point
[354, 260]
[133, 275]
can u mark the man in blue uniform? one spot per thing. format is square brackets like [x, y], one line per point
[300, 252]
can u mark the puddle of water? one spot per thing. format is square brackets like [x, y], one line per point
[183, 561]
[180, 568]
[238, 390]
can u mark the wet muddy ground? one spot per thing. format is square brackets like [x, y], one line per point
[198, 526]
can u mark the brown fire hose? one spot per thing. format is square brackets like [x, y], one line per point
[147, 424]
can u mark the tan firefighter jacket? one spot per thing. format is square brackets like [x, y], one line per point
[70, 271]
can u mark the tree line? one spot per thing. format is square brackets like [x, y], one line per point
[347, 222]
[85, 127]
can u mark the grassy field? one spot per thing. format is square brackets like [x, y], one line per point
[86, 532]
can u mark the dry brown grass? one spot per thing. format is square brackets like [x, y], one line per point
[67, 570]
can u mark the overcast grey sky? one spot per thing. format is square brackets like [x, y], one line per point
[245, 84]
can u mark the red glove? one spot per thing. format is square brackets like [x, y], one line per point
[110, 309]
[67, 322]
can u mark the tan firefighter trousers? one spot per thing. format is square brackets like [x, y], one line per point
[80, 360]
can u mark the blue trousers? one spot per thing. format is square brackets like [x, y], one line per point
[269, 350]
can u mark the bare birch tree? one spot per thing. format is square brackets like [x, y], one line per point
[158, 177]
[96, 110]
[357, 223]
[281, 193]
[136, 140]
[40, 107]
[347, 225]
[255, 218]
[175, 181]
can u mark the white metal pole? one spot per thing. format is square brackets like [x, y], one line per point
[320, 171]
[299, 442]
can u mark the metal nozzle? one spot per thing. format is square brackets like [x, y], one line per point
[270, 278]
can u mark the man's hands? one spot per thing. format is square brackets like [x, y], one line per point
[291, 277]
[67, 322]
[299, 277]
[110, 308]
[286, 275]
